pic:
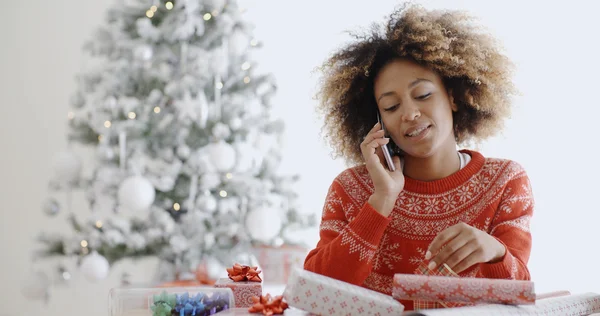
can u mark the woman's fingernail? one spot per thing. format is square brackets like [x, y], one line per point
[428, 255]
[431, 265]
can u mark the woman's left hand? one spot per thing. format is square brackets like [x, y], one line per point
[462, 246]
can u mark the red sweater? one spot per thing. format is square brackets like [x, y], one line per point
[362, 247]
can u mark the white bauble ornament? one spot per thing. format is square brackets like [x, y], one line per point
[143, 53]
[206, 203]
[263, 224]
[184, 151]
[136, 193]
[222, 155]
[94, 267]
[51, 207]
[221, 131]
[210, 181]
[235, 123]
[67, 166]
[36, 286]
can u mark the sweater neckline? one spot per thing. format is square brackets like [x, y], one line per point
[450, 182]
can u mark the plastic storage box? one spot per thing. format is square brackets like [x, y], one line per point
[197, 301]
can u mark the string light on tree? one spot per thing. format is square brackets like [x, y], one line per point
[207, 16]
[246, 66]
[176, 206]
[65, 274]
[223, 193]
[153, 8]
[246, 79]
[253, 42]
[157, 109]
[149, 14]
[98, 224]
[169, 5]
[219, 85]
[107, 124]
[70, 115]
[131, 115]
[84, 243]
[229, 176]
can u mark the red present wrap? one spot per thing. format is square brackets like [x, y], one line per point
[322, 295]
[562, 305]
[245, 283]
[277, 262]
[439, 287]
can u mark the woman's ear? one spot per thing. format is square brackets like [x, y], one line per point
[451, 98]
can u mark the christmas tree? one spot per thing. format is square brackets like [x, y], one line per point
[186, 149]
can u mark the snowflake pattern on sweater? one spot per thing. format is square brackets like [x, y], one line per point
[362, 247]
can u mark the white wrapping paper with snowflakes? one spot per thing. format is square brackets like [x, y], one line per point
[322, 295]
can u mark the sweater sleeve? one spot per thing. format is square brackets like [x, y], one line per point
[346, 247]
[511, 228]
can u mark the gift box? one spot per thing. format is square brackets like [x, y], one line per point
[277, 262]
[242, 291]
[572, 305]
[448, 290]
[322, 295]
[186, 301]
[245, 283]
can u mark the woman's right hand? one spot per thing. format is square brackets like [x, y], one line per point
[388, 184]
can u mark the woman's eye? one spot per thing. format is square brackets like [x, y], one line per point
[424, 96]
[391, 108]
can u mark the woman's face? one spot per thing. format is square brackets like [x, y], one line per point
[415, 107]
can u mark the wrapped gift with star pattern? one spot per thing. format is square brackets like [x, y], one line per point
[322, 295]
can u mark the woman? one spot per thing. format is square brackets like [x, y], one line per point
[436, 82]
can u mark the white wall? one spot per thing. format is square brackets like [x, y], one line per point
[553, 132]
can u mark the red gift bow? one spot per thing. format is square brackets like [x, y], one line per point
[268, 305]
[243, 273]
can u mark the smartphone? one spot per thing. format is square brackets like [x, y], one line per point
[384, 148]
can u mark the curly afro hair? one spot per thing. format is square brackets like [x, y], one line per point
[468, 60]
